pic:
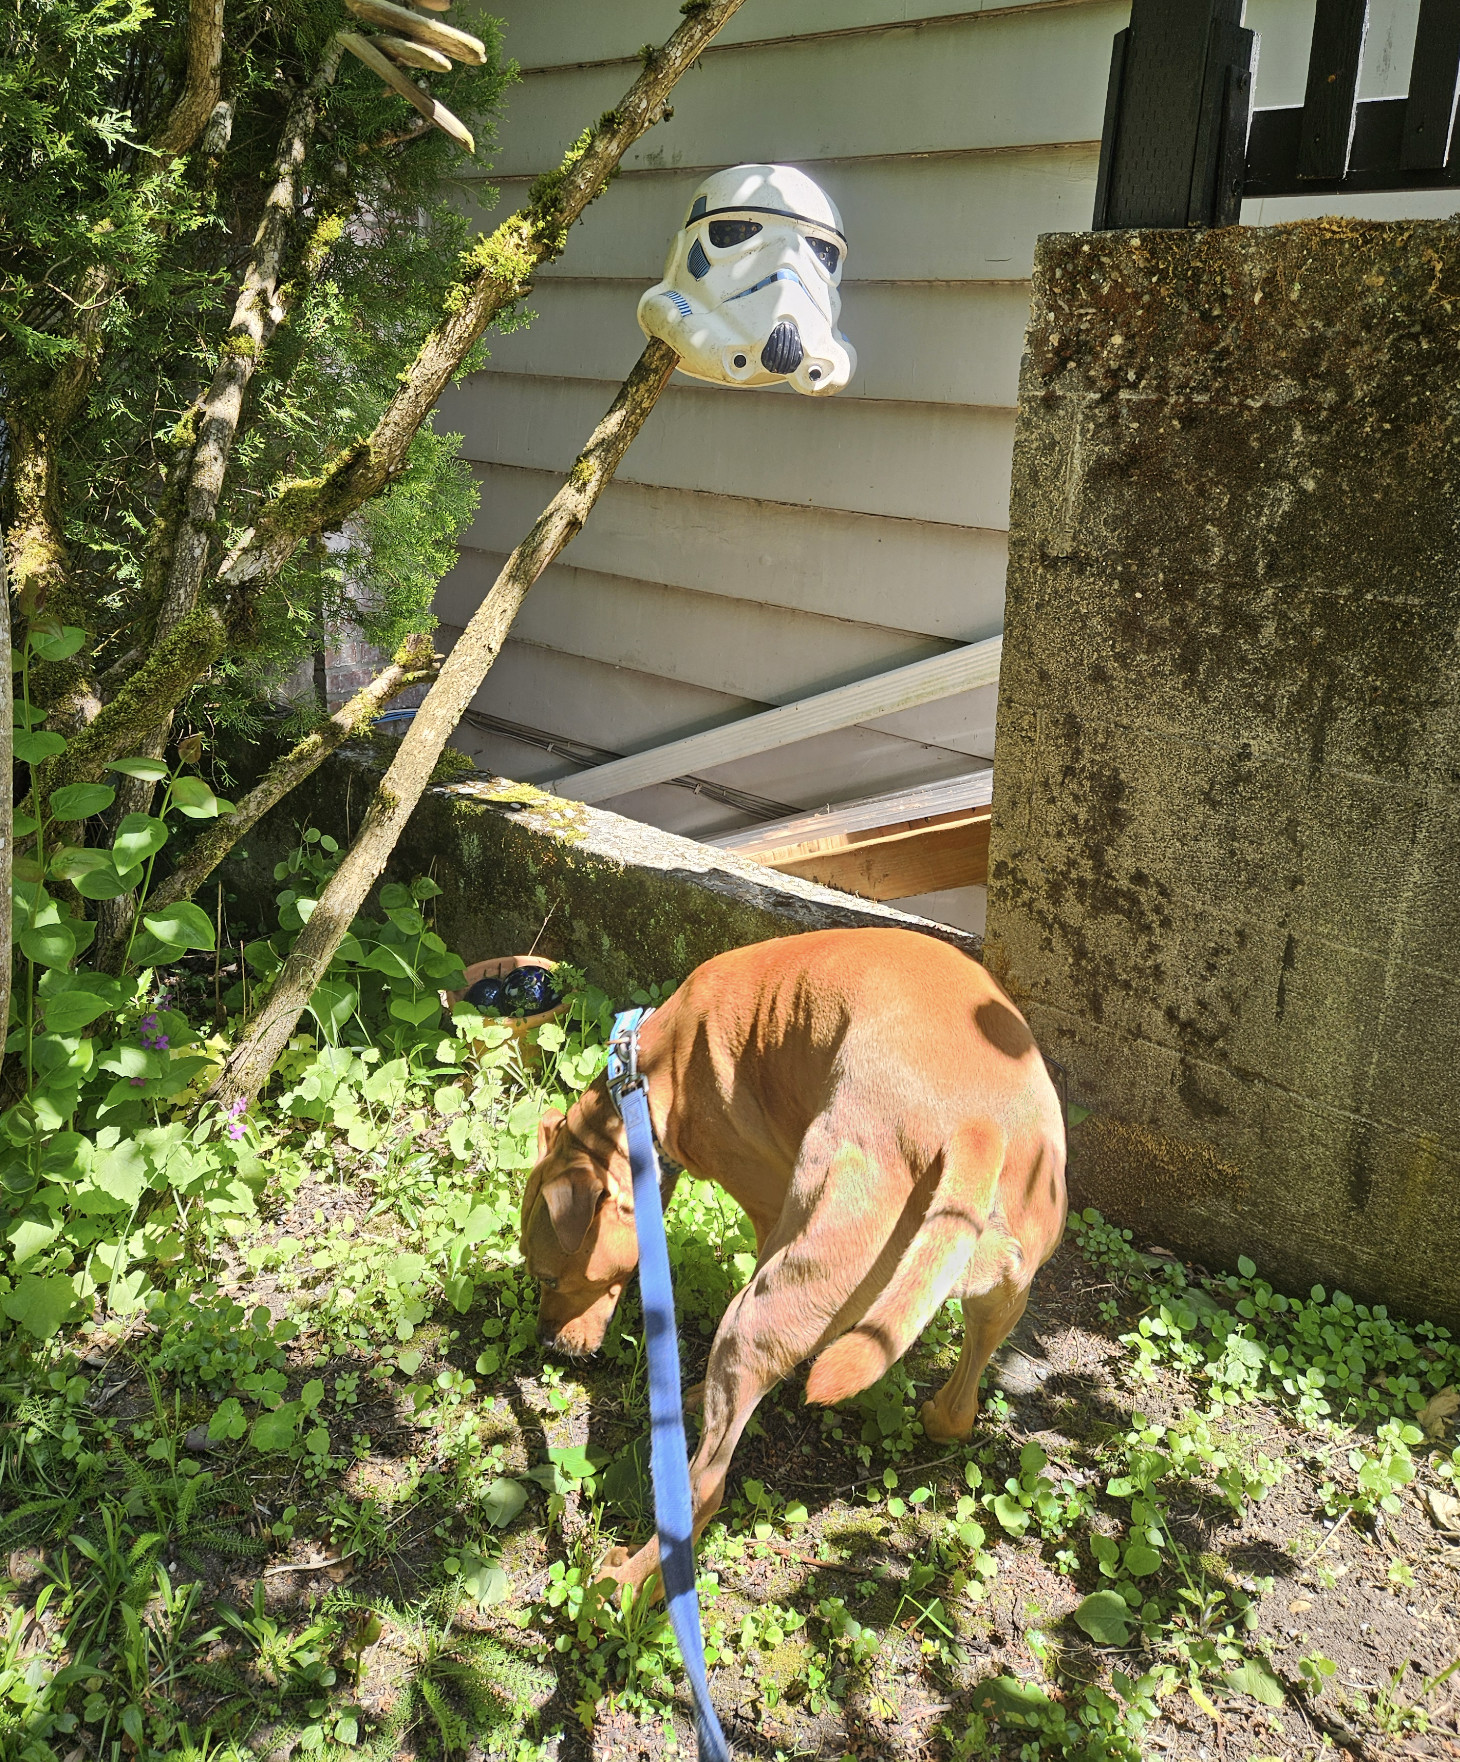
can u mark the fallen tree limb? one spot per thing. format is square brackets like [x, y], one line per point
[460, 680]
[259, 309]
[410, 667]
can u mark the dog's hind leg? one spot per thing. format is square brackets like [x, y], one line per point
[987, 1321]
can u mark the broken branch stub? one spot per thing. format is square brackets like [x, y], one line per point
[457, 44]
[414, 54]
[364, 50]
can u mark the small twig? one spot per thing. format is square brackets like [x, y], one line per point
[810, 1559]
[307, 1565]
[851, 1486]
[1348, 1512]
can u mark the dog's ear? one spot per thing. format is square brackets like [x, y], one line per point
[572, 1201]
[548, 1128]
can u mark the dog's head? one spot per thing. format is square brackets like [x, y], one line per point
[578, 1235]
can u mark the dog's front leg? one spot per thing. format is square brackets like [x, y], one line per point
[759, 1340]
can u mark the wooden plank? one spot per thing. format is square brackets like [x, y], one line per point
[1429, 114]
[1003, 201]
[953, 797]
[1374, 164]
[912, 461]
[934, 345]
[977, 664]
[1337, 49]
[950, 579]
[1159, 113]
[1220, 166]
[587, 701]
[1110, 130]
[1011, 79]
[901, 863]
[727, 645]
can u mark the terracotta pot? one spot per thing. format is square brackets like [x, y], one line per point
[498, 968]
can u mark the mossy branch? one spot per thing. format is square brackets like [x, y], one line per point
[461, 678]
[171, 668]
[258, 310]
[411, 666]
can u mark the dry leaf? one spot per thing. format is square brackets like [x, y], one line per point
[1299, 1604]
[459, 45]
[414, 54]
[364, 50]
[1444, 1509]
[1437, 1413]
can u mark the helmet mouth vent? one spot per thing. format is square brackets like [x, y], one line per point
[782, 352]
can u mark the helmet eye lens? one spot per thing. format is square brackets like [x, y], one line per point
[732, 232]
[827, 252]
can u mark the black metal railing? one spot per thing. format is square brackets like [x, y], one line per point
[1182, 145]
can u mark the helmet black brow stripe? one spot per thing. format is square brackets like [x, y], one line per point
[782, 213]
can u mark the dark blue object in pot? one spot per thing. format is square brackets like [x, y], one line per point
[528, 991]
[486, 995]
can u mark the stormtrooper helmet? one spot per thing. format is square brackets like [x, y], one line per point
[749, 295]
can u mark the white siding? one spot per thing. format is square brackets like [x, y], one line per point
[759, 547]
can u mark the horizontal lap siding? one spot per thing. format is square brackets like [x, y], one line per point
[759, 547]
[547, 33]
[934, 343]
[1012, 79]
[956, 218]
[948, 580]
[728, 645]
[940, 462]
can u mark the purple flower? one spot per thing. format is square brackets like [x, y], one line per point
[136, 1082]
[236, 1109]
[149, 1024]
[235, 1129]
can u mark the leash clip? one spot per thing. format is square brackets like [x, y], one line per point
[623, 1054]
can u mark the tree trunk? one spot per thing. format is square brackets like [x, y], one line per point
[7, 804]
[460, 680]
[211, 845]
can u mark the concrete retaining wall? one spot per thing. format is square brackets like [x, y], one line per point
[521, 869]
[1225, 868]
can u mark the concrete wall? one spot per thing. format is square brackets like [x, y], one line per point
[1225, 869]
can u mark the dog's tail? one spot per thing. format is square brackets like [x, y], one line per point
[929, 1269]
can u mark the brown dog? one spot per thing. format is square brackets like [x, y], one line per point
[879, 1109]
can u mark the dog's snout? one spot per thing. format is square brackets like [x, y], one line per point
[782, 352]
[546, 1332]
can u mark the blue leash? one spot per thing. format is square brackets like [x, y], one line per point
[668, 1452]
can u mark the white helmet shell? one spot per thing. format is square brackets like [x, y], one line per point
[750, 289]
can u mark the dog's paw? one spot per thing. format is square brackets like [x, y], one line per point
[612, 1565]
[936, 1427]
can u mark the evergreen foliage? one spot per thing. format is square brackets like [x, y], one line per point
[119, 267]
